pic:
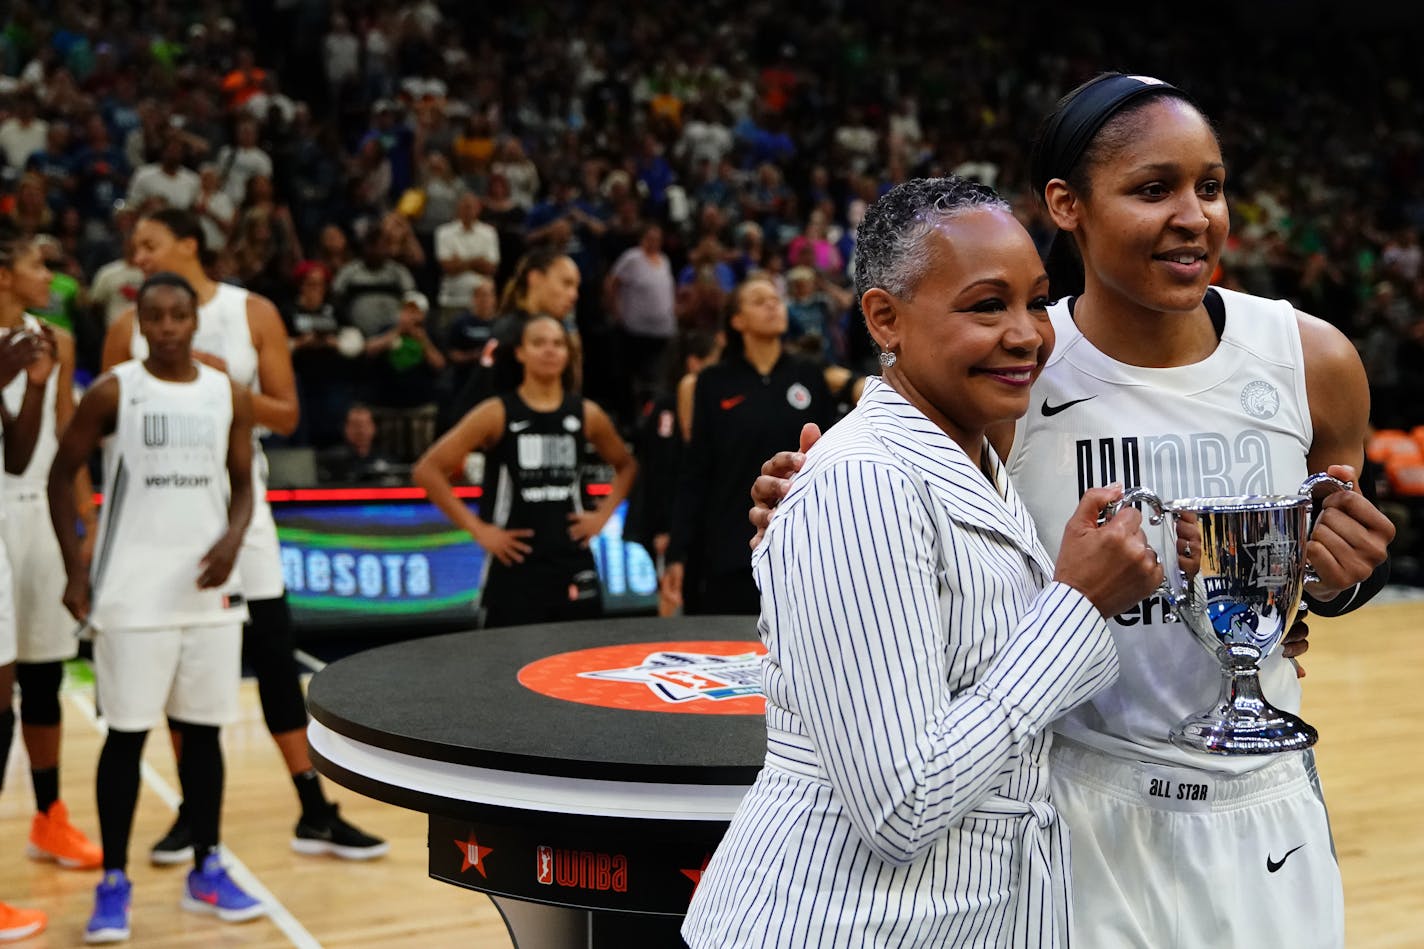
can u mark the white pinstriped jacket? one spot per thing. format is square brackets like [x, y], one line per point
[918, 652]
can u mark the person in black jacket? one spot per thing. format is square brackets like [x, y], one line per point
[757, 395]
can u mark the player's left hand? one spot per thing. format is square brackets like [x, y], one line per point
[1350, 539]
[585, 526]
[46, 355]
[217, 563]
[76, 596]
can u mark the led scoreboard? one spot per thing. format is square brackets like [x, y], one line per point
[370, 557]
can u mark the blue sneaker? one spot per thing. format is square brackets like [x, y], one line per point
[211, 890]
[110, 920]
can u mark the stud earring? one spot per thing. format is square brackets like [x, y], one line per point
[887, 359]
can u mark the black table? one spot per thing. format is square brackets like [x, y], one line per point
[588, 824]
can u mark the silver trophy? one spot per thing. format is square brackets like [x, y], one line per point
[1240, 606]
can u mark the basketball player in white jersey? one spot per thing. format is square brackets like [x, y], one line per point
[44, 632]
[1161, 380]
[162, 596]
[242, 334]
[24, 354]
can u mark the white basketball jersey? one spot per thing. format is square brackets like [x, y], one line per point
[224, 331]
[36, 474]
[165, 503]
[1235, 423]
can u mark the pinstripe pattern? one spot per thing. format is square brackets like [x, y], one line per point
[916, 654]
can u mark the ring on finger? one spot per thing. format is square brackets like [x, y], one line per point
[1186, 550]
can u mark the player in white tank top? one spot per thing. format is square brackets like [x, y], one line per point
[1154, 383]
[162, 592]
[241, 333]
[27, 361]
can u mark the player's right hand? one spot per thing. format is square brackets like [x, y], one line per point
[506, 546]
[775, 480]
[1111, 564]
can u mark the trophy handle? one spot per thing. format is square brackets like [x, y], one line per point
[1307, 487]
[1137, 496]
[1160, 515]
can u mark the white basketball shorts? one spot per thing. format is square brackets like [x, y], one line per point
[44, 630]
[7, 611]
[1179, 859]
[190, 673]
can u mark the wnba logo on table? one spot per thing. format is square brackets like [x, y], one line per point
[546, 865]
[582, 869]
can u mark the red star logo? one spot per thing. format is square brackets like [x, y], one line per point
[695, 875]
[473, 855]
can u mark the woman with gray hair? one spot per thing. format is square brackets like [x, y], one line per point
[920, 639]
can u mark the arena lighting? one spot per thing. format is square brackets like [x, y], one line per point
[372, 494]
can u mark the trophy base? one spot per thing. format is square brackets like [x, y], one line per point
[1233, 731]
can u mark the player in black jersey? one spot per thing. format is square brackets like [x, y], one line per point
[532, 522]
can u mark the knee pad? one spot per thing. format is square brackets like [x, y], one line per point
[39, 692]
[268, 649]
[267, 637]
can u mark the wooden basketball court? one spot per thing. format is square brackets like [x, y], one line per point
[1364, 691]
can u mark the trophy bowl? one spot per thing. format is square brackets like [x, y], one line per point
[1240, 605]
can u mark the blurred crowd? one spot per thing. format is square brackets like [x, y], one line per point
[378, 170]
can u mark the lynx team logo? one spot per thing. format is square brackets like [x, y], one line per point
[1260, 399]
[710, 677]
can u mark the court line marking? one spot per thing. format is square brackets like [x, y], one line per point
[295, 932]
[308, 660]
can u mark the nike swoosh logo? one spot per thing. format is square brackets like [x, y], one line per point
[1273, 865]
[1051, 410]
[733, 402]
[517, 427]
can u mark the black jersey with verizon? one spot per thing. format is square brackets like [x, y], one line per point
[532, 480]
[740, 418]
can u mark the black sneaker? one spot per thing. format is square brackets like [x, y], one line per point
[337, 837]
[176, 845]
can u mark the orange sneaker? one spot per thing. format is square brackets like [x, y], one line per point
[19, 923]
[53, 837]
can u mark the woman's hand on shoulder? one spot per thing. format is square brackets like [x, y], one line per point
[775, 481]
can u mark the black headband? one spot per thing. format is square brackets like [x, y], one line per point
[1066, 135]
[166, 278]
